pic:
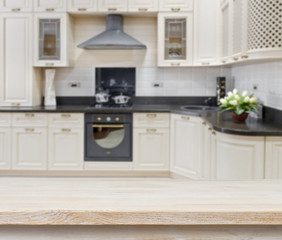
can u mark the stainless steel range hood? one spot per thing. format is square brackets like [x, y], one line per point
[113, 37]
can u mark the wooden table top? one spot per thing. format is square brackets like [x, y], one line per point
[138, 201]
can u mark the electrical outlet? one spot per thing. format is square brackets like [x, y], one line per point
[255, 86]
[157, 84]
[74, 85]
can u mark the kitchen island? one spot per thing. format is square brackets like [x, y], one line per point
[139, 207]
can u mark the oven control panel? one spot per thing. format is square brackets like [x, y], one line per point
[108, 118]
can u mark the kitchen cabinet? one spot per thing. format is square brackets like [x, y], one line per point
[16, 5]
[53, 40]
[5, 148]
[206, 32]
[112, 6]
[15, 60]
[186, 143]
[238, 157]
[143, 6]
[75, 6]
[50, 5]
[29, 148]
[176, 5]
[66, 141]
[273, 158]
[175, 37]
[151, 141]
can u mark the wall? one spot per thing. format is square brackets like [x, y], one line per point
[173, 81]
[267, 78]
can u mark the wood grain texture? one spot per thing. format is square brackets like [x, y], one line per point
[138, 201]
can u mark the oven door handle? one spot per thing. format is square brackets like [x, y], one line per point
[108, 125]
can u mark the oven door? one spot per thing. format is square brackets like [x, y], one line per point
[108, 142]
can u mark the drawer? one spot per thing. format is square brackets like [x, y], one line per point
[5, 119]
[151, 119]
[66, 119]
[29, 119]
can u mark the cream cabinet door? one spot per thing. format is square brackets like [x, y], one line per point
[206, 32]
[112, 5]
[151, 148]
[15, 59]
[50, 5]
[186, 146]
[65, 149]
[273, 158]
[5, 148]
[29, 148]
[16, 5]
[176, 5]
[238, 157]
[82, 6]
[143, 6]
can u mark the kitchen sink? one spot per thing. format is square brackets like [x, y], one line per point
[200, 108]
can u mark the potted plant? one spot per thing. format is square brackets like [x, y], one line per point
[239, 104]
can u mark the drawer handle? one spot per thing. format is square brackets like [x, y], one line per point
[175, 9]
[206, 63]
[82, 9]
[175, 64]
[235, 59]
[151, 130]
[49, 9]
[151, 115]
[204, 123]
[16, 104]
[49, 64]
[112, 9]
[142, 9]
[66, 115]
[223, 61]
[29, 129]
[16, 9]
[66, 130]
[213, 132]
[185, 118]
[245, 56]
[210, 129]
[29, 115]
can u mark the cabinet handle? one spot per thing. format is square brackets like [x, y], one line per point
[29, 115]
[204, 123]
[49, 64]
[175, 9]
[213, 133]
[185, 118]
[235, 59]
[66, 115]
[49, 9]
[175, 64]
[16, 104]
[112, 9]
[245, 56]
[142, 9]
[223, 61]
[151, 115]
[151, 130]
[16, 9]
[210, 129]
[29, 129]
[206, 63]
[82, 9]
[66, 130]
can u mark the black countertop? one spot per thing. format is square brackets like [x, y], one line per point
[221, 122]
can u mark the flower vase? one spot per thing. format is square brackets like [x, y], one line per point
[50, 96]
[240, 118]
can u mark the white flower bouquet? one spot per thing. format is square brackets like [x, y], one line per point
[239, 103]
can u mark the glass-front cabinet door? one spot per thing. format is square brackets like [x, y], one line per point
[51, 40]
[175, 39]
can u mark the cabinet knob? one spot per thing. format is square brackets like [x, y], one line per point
[235, 59]
[213, 133]
[210, 129]
[29, 115]
[82, 9]
[175, 64]
[66, 130]
[185, 118]
[112, 9]
[66, 115]
[142, 9]
[151, 130]
[29, 129]
[204, 123]
[151, 115]
[16, 9]
[49, 9]
[175, 9]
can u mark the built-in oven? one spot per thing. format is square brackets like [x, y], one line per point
[108, 137]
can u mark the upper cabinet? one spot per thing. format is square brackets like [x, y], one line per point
[226, 31]
[175, 5]
[82, 6]
[143, 5]
[50, 5]
[206, 32]
[175, 34]
[52, 40]
[16, 6]
[112, 6]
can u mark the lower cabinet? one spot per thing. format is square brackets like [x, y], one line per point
[29, 148]
[187, 146]
[65, 149]
[273, 158]
[238, 157]
[5, 148]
